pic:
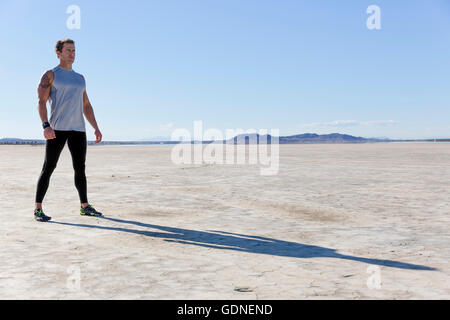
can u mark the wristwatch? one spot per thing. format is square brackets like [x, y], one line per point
[45, 125]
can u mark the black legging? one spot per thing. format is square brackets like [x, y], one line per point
[76, 140]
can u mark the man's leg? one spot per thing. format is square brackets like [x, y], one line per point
[77, 143]
[53, 150]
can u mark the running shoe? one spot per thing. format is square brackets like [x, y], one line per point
[40, 216]
[90, 211]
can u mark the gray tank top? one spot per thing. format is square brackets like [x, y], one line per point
[66, 100]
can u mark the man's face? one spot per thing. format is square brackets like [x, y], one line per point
[68, 53]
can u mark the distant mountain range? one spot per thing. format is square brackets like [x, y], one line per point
[302, 138]
[247, 139]
[312, 138]
[20, 141]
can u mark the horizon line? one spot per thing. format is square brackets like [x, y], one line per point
[151, 139]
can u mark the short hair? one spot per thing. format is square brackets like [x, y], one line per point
[60, 44]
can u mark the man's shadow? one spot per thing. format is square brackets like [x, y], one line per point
[244, 243]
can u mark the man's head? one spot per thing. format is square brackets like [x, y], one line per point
[65, 50]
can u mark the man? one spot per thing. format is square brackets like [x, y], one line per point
[66, 90]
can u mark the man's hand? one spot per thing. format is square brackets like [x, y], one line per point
[49, 133]
[98, 136]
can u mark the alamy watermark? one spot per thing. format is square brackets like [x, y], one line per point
[374, 20]
[74, 20]
[236, 146]
[73, 282]
[374, 280]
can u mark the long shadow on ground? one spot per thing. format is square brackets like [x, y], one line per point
[244, 243]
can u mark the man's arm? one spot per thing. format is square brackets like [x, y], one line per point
[43, 94]
[89, 114]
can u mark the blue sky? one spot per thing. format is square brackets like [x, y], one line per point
[297, 66]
